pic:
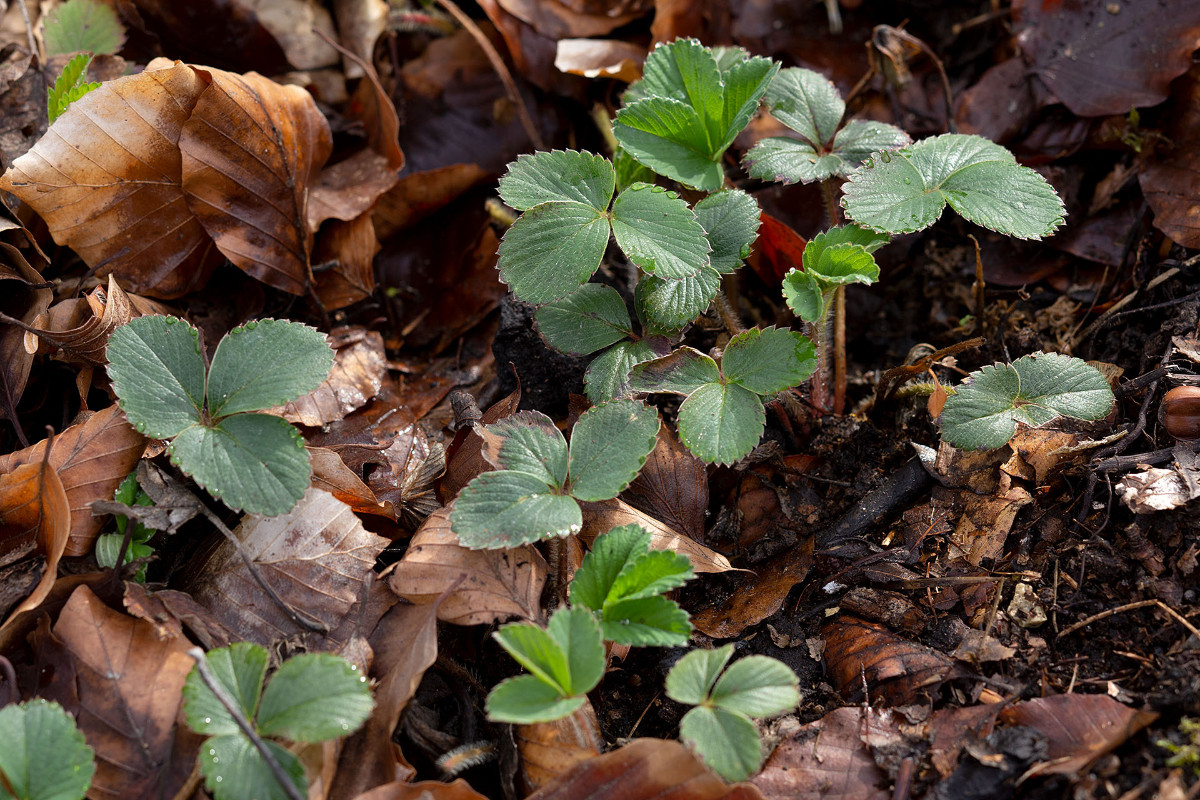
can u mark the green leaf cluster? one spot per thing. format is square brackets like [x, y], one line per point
[690, 104]
[533, 492]
[83, 26]
[616, 595]
[622, 581]
[43, 756]
[251, 461]
[811, 105]
[721, 726]
[311, 698]
[108, 545]
[722, 417]
[833, 258]
[71, 85]
[983, 413]
[906, 190]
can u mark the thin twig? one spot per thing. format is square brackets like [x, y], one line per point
[33, 48]
[1133, 607]
[510, 86]
[217, 689]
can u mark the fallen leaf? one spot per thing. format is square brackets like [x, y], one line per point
[600, 58]
[483, 586]
[984, 525]
[418, 195]
[550, 750]
[86, 342]
[558, 20]
[331, 474]
[465, 457]
[644, 769]
[826, 760]
[756, 597]
[605, 515]
[34, 511]
[20, 301]
[359, 364]
[129, 685]
[423, 790]
[360, 24]
[170, 611]
[857, 651]
[351, 248]
[672, 486]
[348, 189]
[294, 24]
[1079, 728]
[777, 251]
[1170, 181]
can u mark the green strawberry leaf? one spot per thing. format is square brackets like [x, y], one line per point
[609, 445]
[757, 686]
[608, 374]
[504, 509]
[525, 700]
[251, 462]
[731, 218]
[784, 160]
[805, 295]
[769, 360]
[726, 740]
[651, 621]
[240, 669]
[693, 676]
[588, 319]
[669, 305]
[559, 176]
[658, 232]
[83, 25]
[233, 769]
[906, 190]
[552, 249]
[539, 652]
[668, 136]
[611, 553]
[578, 636]
[808, 103]
[651, 573]
[44, 755]
[630, 170]
[860, 138]
[315, 697]
[266, 363]
[1033, 390]
[682, 372]
[71, 85]
[527, 442]
[721, 424]
[157, 370]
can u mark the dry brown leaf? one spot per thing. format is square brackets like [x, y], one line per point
[485, 586]
[644, 769]
[348, 189]
[294, 24]
[360, 23]
[605, 515]
[331, 474]
[672, 486]
[826, 760]
[758, 596]
[600, 58]
[317, 559]
[1170, 181]
[465, 456]
[985, 523]
[556, 20]
[34, 511]
[1079, 728]
[405, 644]
[169, 611]
[19, 301]
[417, 196]
[893, 668]
[91, 460]
[106, 311]
[130, 688]
[423, 790]
[122, 208]
[251, 150]
[549, 750]
[359, 364]
[351, 248]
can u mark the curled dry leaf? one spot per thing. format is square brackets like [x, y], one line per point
[351, 248]
[1079, 728]
[126, 693]
[600, 58]
[550, 749]
[331, 474]
[102, 312]
[827, 759]
[359, 364]
[605, 515]
[34, 511]
[672, 486]
[485, 586]
[317, 558]
[645, 769]
[20, 301]
[894, 668]
[91, 460]
[465, 457]
[758, 596]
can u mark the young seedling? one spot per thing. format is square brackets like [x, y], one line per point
[313, 697]
[617, 596]
[250, 461]
[71, 85]
[108, 545]
[43, 756]
[1034, 390]
[721, 726]
[533, 494]
[723, 417]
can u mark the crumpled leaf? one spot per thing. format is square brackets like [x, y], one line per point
[827, 759]
[85, 343]
[1079, 728]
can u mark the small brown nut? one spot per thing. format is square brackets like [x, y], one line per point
[1181, 412]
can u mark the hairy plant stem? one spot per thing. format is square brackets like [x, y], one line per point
[835, 316]
[820, 332]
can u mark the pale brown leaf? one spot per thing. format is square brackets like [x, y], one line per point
[1079, 728]
[331, 474]
[600, 58]
[359, 364]
[20, 301]
[605, 515]
[826, 760]
[672, 486]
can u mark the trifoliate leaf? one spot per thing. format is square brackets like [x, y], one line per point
[906, 190]
[505, 509]
[608, 374]
[651, 621]
[525, 700]
[158, 373]
[240, 670]
[552, 249]
[539, 652]
[768, 360]
[71, 85]
[44, 756]
[726, 740]
[682, 372]
[315, 697]
[757, 686]
[527, 442]
[721, 424]
[233, 769]
[806, 102]
[860, 138]
[609, 444]
[250, 462]
[558, 175]
[1033, 390]
[693, 676]
[578, 635]
[266, 363]
[731, 218]
[669, 305]
[611, 553]
[658, 232]
[588, 319]
[83, 25]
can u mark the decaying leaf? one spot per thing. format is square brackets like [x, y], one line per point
[894, 668]
[102, 312]
[827, 759]
[672, 486]
[551, 749]
[359, 364]
[34, 510]
[1079, 728]
[757, 597]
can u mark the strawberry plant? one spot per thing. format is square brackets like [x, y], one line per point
[44, 756]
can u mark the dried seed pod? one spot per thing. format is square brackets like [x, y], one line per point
[1181, 412]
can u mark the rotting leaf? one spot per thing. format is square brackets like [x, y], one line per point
[757, 596]
[894, 668]
[1079, 728]
[672, 486]
[826, 759]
